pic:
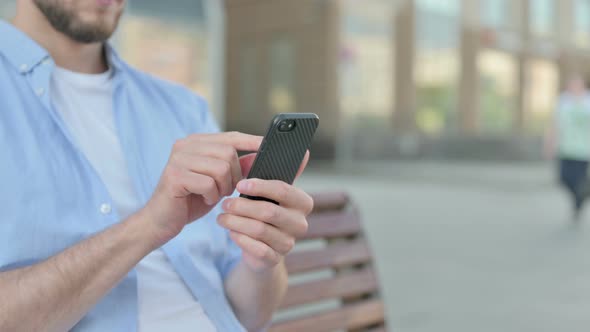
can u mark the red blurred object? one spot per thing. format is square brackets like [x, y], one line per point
[488, 37]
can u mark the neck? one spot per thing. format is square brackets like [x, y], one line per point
[67, 53]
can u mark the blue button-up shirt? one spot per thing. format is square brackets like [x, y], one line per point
[51, 197]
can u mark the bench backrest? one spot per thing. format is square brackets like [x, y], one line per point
[331, 269]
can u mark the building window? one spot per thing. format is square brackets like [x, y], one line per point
[169, 40]
[366, 64]
[501, 14]
[497, 92]
[541, 89]
[437, 65]
[494, 13]
[248, 81]
[582, 23]
[282, 96]
[542, 17]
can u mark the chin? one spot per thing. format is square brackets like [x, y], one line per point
[105, 23]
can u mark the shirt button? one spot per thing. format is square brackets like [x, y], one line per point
[40, 92]
[105, 208]
[46, 61]
[23, 68]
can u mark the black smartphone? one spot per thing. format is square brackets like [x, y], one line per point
[283, 148]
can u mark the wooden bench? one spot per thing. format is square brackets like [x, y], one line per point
[347, 285]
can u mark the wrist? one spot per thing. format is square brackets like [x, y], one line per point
[263, 270]
[149, 231]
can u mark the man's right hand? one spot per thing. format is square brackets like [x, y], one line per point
[202, 169]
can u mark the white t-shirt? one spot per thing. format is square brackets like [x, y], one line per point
[85, 103]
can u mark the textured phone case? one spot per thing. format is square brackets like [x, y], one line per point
[281, 153]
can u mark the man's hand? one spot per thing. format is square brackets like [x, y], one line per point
[266, 232]
[202, 169]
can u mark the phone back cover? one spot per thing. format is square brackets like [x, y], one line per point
[284, 152]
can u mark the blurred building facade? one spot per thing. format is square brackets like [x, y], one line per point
[407, 78]
[389, 78]
[282, 57]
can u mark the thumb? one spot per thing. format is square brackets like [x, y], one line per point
[303, 164]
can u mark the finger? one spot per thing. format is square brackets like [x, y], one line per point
[287, 195]
[239, 141]
[219, 151]
[219, 170]
[303, 164]
[198, 184]
[258, 230]
[287, 221]
[257, 249]
[246, 163]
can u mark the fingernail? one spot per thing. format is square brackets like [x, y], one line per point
[208, 201]
[226, 204]
[244, 186]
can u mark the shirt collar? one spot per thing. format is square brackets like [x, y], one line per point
[19, 49]
[114, 61]
[25, 54]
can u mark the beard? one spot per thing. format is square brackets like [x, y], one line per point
[66, 21]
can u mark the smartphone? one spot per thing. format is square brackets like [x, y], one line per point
[283, 148]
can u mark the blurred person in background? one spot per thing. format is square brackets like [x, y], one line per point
[568, 141]
[104, 170]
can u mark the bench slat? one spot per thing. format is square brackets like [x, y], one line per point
[331, 201]
[333, 224]
[334, 255]
[352, 284]
[348, 317]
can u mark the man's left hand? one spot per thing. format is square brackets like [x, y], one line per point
[266, 232]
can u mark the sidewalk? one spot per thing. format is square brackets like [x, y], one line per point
[508, 176]
[463, 247]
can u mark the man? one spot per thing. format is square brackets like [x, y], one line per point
[104, 170]
[568, 140]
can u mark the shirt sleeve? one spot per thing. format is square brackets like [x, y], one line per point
[206, 121]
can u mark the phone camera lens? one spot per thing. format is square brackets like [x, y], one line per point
[287, 125]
